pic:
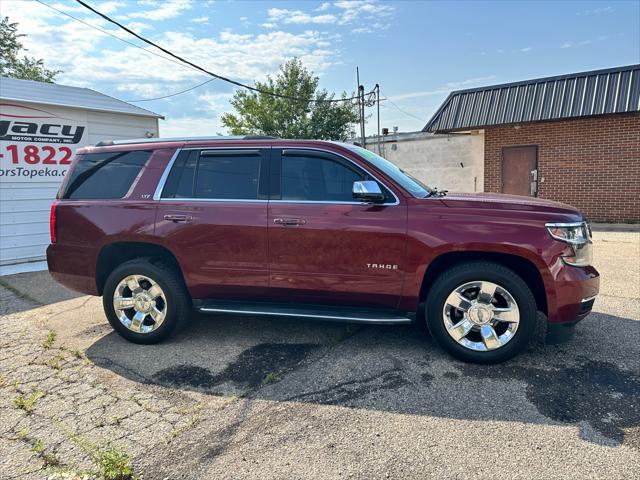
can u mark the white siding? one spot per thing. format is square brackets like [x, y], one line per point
[24, 206]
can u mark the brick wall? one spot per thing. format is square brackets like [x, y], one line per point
[591, 163]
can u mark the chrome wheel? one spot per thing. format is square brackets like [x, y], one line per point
[481, 316]
[140, 304]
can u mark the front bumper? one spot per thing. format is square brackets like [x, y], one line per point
[572, 294]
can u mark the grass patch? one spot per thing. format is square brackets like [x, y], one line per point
[38, 447]
[55, 362]
[270, 378]
[50, 338]
[114, 464]
[27, 403]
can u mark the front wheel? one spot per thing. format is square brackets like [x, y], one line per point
[144, 301]
[481, 312]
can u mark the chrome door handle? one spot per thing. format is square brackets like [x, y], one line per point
[179, 218]
[291, 222]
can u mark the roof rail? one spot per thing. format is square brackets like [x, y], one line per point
[131, 141]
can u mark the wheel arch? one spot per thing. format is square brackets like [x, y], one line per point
[522, 266]
[114, 254]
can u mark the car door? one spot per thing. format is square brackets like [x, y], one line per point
[213, 215]
[324, 247]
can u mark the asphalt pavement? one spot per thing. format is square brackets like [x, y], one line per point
[245, 397]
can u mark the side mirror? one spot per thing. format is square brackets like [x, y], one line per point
[368, 191]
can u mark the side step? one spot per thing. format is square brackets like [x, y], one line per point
[319, 312]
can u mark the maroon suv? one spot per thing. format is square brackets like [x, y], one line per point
[311, 229]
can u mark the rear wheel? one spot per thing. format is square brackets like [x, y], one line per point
[481, 312]
[144, 301]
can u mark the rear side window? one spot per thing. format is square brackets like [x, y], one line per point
[217, 175]
[104, 175]
[228, 176]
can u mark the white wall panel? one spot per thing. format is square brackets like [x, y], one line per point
[25, 203]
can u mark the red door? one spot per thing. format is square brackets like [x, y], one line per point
[323, 246]
[213, 216]
[520, 170]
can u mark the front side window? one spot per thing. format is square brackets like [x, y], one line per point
[409, 183]
[312, 178]
[104, 175]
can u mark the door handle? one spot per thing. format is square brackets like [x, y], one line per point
[289, 222]
[179, 218]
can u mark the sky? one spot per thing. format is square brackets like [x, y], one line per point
[417, 51]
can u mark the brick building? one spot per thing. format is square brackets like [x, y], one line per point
[572, 138]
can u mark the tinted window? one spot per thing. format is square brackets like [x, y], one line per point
[228, 175]
[180, 180]
[104, 175]
[413, 185]
[317, 179]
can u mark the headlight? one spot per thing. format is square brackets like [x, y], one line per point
[578, 235]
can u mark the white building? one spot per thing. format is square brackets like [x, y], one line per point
[41, 126]
[452, 162]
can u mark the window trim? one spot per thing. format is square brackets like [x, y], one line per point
[163, 179]
[358, 167]
[157, 195]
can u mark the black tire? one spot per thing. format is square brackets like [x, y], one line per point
[178, 300]
[451, 279]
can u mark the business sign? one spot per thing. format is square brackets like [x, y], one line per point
[36, 145]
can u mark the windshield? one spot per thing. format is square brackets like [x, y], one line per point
[406, 181]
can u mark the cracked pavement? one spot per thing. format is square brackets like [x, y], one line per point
[242, 397]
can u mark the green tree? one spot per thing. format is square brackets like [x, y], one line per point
[309, 116]
[26, 68]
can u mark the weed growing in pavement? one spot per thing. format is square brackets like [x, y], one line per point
[27, 403]
[38, 447]
[48, 341]
[270, 378]
[55, 362]
[114, 464]
[22, 433]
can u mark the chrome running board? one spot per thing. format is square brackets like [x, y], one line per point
[317, 312]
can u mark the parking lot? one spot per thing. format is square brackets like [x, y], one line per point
[241, 397]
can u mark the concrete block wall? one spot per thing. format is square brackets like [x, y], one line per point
[450, 162]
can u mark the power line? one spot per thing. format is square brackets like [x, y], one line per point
[198, 67]
[173, 94]
[403, 111]
[115, 36]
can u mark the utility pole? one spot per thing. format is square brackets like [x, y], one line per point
[361, 107]
[378, 105]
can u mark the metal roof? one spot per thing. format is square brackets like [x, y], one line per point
[597, 92]
[64, 96]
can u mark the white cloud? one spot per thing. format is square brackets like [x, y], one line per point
[141, 90]
[581, 43]
[203, 19]
[298, 17]
[371, 13]
[110, 7]
[190, 126]
[596, 11]
[214, 102]
[526, 49]
[446, 88]
[139, 26]
[162, 10]
[101, 62]
[353, 10]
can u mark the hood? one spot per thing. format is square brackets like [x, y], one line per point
[506, 202]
